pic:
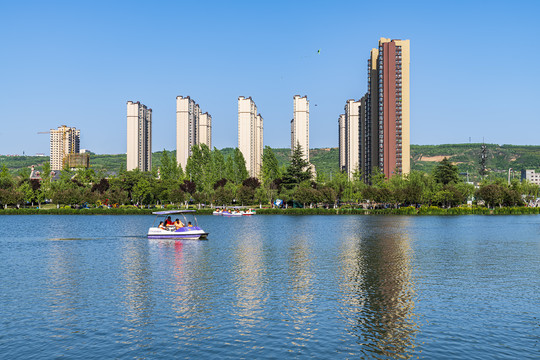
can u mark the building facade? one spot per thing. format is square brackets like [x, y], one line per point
[531, 176]
[352, 136]
[388, 118]
[205, 130]
[63, 142]
[374, 132]
[300, 125]
[193, 127]
[342, 143]
[250, 135]
[139, 136]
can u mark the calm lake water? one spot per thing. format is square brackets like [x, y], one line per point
[266, 287]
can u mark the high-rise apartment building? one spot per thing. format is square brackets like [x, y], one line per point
[352, 136]
[63, 142]
[193, 127]
[387, 127]
[139, 136]
[205, 129]
[300, 125]
[250, 135]
[374, 132]
[342, 143]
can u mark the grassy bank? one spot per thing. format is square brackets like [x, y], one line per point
[425, 210]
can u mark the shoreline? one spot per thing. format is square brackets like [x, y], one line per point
[422, 211]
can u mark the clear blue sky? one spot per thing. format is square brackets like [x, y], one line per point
[474, 67]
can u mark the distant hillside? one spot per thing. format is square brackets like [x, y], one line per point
[423, 158]
[467, 157]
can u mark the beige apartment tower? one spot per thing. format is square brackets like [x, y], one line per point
[342, 143]
[352, 136]
[300, 125]
[139, 137]
[63, 142]
[193, 127]
[250, 135]
[205, 130]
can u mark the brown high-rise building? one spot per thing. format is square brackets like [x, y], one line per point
[387, 121]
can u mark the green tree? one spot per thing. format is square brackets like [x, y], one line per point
[6, 180]
[270, 166]
[46, 171]
[246, 195]
[229, 169]
[169, 169]
[261, 195]
[492, 194]
[142, 192]
[298, 169]
[240, 170]
[26, 190]
[446, 172]
[224, 195]
[218, 165]
[414, 188]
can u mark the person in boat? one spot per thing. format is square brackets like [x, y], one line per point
[178, 224]
[189, 224]
[168, 222]
[162, 226]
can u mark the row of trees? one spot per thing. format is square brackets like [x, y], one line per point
[210, 178]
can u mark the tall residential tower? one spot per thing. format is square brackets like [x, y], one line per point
[352, 136]
[300, 125]
[250, 135]
[374, 132]
[387, 109]
[192, 128]
[139, 136]
[63, 142]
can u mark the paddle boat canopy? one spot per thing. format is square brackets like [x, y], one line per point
[193, 232]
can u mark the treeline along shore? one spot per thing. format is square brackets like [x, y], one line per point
[426, 210]
[212, 178]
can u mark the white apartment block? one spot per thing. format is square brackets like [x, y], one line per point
[139, 136]
[187, 117]
[205, 130]
[250, 135]
[64, 141]
[192, 128]
[531, 176]
[342, 160]
[352, 136]
[300, 125]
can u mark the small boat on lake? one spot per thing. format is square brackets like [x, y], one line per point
[233, 213]
[188, 231]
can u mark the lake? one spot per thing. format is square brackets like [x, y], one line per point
[266, 287]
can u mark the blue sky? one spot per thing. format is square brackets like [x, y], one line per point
[474, 67]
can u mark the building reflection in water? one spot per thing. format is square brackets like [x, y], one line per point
[65, 295]
[300, 292]
[188, 295]
[379, 292]
[249, 279]
[137, 294]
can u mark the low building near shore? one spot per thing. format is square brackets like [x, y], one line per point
[531, 176]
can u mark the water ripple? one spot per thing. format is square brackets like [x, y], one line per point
[268, 287]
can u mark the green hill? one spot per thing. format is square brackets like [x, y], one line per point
[423, 157]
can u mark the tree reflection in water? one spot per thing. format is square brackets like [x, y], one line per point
[379, 290]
